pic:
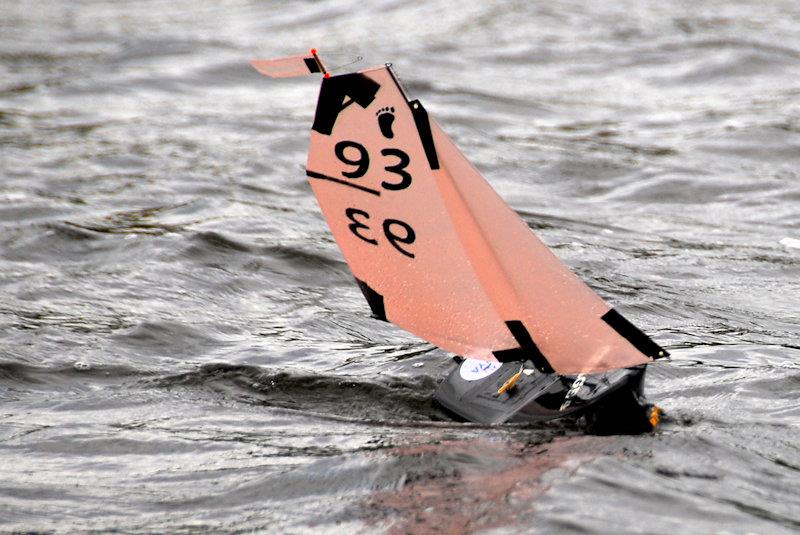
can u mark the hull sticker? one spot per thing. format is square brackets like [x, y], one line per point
[475, 370]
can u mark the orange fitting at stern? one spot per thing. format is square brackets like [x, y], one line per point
[655, 416]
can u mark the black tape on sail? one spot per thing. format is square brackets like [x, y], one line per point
[337, 93]
[374, 300]
[632, 334]
[424, 128]
[527, 350]
[312, 65]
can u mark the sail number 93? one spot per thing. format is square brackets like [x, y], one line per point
[361, 163]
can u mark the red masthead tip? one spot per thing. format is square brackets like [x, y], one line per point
[327, 75]
[314, 51]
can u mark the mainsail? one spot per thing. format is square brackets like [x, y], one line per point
[436, 251]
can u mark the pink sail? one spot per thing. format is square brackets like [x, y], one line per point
[437, 252]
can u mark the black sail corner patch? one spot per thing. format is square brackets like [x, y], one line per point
[527, 349]
[374, 300]
[632, 334]
[337, 93]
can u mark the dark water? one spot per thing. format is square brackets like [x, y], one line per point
[182, 348]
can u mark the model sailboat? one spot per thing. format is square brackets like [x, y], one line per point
[437, 252]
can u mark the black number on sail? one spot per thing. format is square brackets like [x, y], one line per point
[398, 169]
[396, 239]
[351, 214]
[362, 163]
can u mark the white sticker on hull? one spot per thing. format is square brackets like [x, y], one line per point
[474, 370]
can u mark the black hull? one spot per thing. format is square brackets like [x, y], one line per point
[609, 403]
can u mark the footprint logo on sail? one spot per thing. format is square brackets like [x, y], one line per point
[385, 121]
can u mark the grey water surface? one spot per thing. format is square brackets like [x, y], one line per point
[183, 349]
